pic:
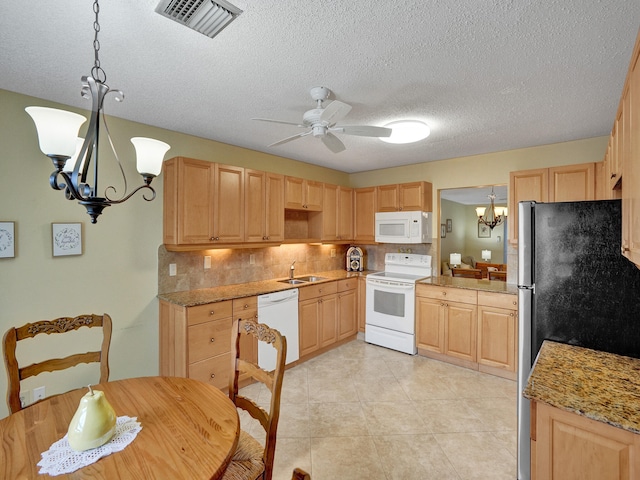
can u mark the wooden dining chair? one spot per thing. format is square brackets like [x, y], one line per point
[16, 373]
[299, 474]
[251, 460]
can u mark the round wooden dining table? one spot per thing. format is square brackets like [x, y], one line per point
[190, 430]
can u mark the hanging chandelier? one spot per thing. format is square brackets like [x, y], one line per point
[74, 158]
[495, 216]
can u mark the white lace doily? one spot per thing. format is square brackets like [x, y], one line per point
[61, 458]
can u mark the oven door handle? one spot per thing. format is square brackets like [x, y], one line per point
[390, 284]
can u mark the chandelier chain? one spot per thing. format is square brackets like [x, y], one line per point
[97, 72]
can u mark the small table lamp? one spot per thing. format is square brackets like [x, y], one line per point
[455, 259]
[486, 255]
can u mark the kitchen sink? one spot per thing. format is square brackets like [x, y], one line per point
[293, 281]
[311, 278]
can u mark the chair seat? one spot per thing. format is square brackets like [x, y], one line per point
[247, 463]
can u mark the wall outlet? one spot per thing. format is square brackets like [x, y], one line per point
[25, 398]
[172, 270]
[333, 253]
[38, 393]
[252, 259]
[207, 262]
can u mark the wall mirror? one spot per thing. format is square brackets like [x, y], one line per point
[459, 229]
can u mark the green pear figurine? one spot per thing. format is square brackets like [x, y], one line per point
[93, 424]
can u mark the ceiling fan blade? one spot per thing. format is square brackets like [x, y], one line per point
[334, 112]
[333, 143]
[292, 137]
[279, 121]
[364, 130]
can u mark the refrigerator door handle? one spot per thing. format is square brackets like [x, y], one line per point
[525, 243]
[525, 305]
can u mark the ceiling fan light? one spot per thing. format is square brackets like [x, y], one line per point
[407, 131]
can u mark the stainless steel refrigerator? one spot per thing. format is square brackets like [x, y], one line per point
[574, 286]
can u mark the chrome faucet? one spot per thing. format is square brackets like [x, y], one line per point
[292, 270]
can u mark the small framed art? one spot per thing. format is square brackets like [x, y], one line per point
[483, 231]
[7, 240]
[449, 225]
[66, 239]
[443, 230]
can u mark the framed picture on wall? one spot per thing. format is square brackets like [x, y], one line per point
[7, 240]
[483, 231]
[449, 225]
[443, 230]
[66, 239]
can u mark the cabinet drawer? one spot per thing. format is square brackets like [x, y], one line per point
[209, 339]
[347, 284]
[215, 371]
[447, 293]
[243, 304]
[208, 312]
[498, 300]
[318, 290]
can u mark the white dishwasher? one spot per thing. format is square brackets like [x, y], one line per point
[279, 310]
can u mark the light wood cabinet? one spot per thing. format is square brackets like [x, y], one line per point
[568, 446]
[195, 342]
[303, 194]
[447, 324]
[347, 321]
[317, 316]
[264, 206]
[473, 329]
[631, 165]
[337, 213]
[364, 200]
[327, 315]
[497, 334]
[566, 183]
[415, 196]
[203, 202]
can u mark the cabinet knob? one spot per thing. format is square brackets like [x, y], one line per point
[213, 339]
[444, 293]
[511, 315]
[212, 312]
[246, 305]
[215, 239]
[265, 238]
[213, 375]
[613, 175]
[515, 303]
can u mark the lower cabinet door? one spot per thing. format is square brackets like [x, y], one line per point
[215, 371]
[461, 331]
[308, 322]
[430, 324]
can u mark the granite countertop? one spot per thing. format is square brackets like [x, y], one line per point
[472, 284]
[202, 296]
[598, 385]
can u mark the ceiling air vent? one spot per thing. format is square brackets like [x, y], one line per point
[204, 16]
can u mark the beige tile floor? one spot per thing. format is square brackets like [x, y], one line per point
[366, 412]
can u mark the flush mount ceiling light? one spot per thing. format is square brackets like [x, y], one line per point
[58, 139]
[407, 131]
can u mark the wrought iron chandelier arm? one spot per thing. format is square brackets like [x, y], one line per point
[141, 187]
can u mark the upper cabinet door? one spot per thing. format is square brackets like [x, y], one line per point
[301, 194]
[525, 185]
[274, 207]
[254, 205]
[193, 198]
[572, 183]
[229, 204]
[387, 198]
[416, 196]
[364, 200]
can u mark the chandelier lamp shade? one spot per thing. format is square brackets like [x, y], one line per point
[491, 216]
[76, 159]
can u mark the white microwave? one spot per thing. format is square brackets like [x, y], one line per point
[403, 227]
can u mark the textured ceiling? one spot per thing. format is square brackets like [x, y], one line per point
[486, 75]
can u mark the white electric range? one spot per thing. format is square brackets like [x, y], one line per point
[390, 303]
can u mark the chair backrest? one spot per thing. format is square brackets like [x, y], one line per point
[299, 474]
[466, 272]
[272, 380]
[16, 373]
[498, 276]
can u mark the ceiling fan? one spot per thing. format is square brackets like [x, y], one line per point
[321, 122]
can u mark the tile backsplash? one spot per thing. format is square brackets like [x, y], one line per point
[231, 266]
